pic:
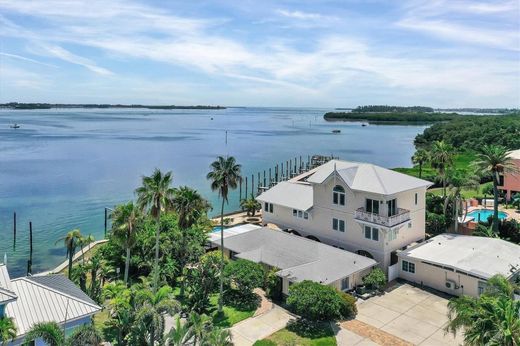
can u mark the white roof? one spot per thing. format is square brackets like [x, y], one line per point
[298, 258]
[40, 303]
[515, 154]
[6, 291]
[289, 194]
[367, 177]
[215, 236]
[480, 256]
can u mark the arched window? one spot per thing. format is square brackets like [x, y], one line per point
[338, 195]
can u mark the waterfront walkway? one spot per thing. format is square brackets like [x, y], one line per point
[62, 266]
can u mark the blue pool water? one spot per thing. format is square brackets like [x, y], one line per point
[216, 229]
[484, 214]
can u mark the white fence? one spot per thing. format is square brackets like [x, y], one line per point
[393, 272]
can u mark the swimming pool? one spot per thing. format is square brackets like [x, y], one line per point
[217, 229]
[484, 214]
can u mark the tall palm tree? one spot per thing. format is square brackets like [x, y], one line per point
[189, 206]
[156, 195]
[217, 337]
[71, 241]
[224, 175]
[50, 332]
[457, 181]
[7, 329]
[84, 241]
[179, 334]
[441, 158]
[420, 157]
[494, 160]
[199, 326]
[491, 319]
[125, 218]
[251, 205]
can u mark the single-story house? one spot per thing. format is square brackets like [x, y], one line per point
[298, 258]
[459, 264]
[51, 298]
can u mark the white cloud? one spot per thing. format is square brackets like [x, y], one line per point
[65, 55]
[23, 58]
[301, 15]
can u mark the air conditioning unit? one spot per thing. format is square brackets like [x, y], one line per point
[451, 285]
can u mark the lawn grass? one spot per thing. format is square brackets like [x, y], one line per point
[466, 193]
[323, 337]
[230, 315]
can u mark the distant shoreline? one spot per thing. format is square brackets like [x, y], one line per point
[26, 106]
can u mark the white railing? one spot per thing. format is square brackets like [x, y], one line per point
[402, 215]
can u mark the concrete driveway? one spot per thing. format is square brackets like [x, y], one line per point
[245, 333]
[413, 315]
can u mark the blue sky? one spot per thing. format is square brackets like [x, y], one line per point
[441, 53]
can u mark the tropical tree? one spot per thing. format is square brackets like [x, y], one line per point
[124, 228]
[7, 329]
[491, 319]
[121, 310]
[71, 241]
[150, 310]
[224, 175]
[85, 335]
[189, 206]
[156, 195]
[494, 160]
[420, 157]
[483, 231]
[217, 337]
[251, 205]
[441, 158]
[199, 326]
[457, 181]
[50, 332]
[84, 241]
[179, 334]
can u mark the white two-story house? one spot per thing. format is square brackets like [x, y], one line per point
[359, 207]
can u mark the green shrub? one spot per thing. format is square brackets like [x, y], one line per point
[271, 282]
[309, 329]
[314, 301]
[375, 279]
[244, 275]
[435, 223]
[487, 189]
[349, 308]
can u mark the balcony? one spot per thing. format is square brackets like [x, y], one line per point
[402, 215]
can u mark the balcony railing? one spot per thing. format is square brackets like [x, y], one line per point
[402, 215]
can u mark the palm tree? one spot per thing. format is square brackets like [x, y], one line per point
[483, 231]
[7, 329]
[85, 335]
[217, 337]
[49, 332]
[189, 206]
[71, 241]
[491, 319]
[120, 308]
[458, 181]
[84, 241]
[224, 175]
[179, 334]
[251, 205]
[420, 157]
[494, 160]
[199, 326]
[441, 158]
[126, 217]
[151, 308]
[156, 195]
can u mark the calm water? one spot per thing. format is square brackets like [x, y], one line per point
[62, 167]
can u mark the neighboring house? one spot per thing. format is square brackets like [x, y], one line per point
[510, 183]
[459, 264]
[34, 299]
[359, 207]
[297, 258]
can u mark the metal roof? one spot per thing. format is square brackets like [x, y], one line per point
[481, 256]
[38, 302]
[298, 258]
[62, 284]
[367, 177]
[6, 291]
[289, 194]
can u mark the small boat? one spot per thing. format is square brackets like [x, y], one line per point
[211, 118]
[363, 125]
[336, 131]
[15, 126]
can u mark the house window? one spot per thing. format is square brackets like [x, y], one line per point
[392, 207]
[416, 198]
[300, 214]
[345, 283]
[338, 225]
[408, 267]
[266, 206]
[481, 287]
[372, 206]
[306, 215]
[338, 195]
[392, 235]
[270, 207]
[294, 212]
[372, 233]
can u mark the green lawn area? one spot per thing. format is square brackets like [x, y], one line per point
[230, 315]
[322, 337]
[467, 194]
[461, 161]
